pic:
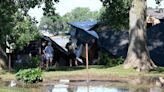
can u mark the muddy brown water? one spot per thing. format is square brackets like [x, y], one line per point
[137, 85]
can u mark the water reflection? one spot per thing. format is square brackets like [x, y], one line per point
[155, 84]
[101, 89]
[154, 89]
[67, 88]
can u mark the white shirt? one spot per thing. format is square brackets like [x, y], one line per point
[49, 50]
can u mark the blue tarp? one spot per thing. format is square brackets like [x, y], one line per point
[86, 26]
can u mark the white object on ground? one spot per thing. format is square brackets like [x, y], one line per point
[64, 81]
[12, 83]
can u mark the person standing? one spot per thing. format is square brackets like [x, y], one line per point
[43, 57]
[48, 51]
[71, 49]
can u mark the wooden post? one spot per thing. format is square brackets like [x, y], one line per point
[9, 65]
[88, 87]
[86, 45]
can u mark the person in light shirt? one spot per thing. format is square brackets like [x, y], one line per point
[49, 51]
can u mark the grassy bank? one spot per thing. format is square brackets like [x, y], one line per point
[95, 72]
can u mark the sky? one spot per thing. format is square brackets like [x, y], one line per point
[65, 6]
[151, 3]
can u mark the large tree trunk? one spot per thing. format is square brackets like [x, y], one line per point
[3, 59]
[138, 55]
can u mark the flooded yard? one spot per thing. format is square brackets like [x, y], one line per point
[84, 86]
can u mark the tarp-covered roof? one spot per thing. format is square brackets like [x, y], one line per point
[86, 26]
[93, 33]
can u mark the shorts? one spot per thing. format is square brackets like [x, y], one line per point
[49, 56]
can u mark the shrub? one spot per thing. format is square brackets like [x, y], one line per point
[107, 60]
[25, 64]
[30, 75]
[34, 62]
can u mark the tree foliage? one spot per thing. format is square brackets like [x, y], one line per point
[7, 10]
[24, 31]
[60, 23]
[53, 24]
[16, 23]
[81, 14]
[116, 13]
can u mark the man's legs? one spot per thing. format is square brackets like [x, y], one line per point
[42, 61]
[76, 62]
[47, 61]
[70, 62]
[51, 61]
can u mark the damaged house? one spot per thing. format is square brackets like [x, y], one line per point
[115, 42]
[81, 33]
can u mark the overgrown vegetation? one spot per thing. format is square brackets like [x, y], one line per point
[34, 62]
[107, 60]
[116, 13]
[17, 24]
[30, 75]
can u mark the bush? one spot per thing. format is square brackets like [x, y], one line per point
[34, 62]
[25, 64]
[30, 75]
[107, 60]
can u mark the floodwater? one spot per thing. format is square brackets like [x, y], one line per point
[83, 86]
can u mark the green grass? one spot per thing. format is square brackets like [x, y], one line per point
[117, 71]
[102, 70]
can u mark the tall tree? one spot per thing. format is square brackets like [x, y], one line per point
[8, 21]
[138, 54]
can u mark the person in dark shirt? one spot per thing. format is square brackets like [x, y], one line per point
[71, 49]
[43, 58]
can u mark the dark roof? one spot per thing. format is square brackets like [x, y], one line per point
[157, 13]
[156, 43]
[114, 41]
